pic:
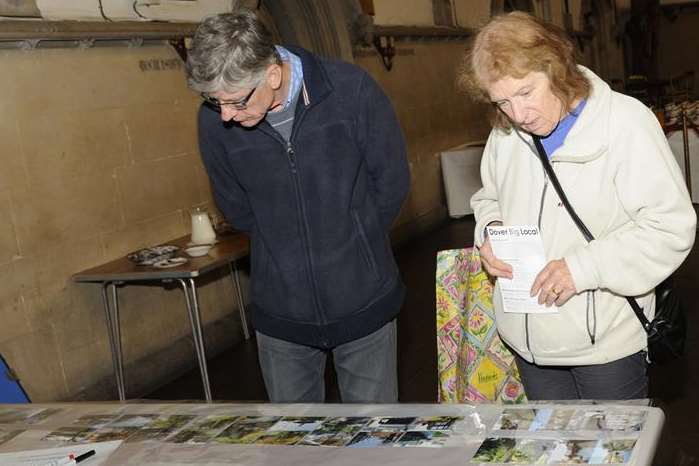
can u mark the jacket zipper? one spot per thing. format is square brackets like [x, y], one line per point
[293, 167]
[541, 204]
[591, 333]
[541, 213]
[291, 154]
[291, 157]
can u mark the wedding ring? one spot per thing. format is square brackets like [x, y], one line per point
[555, 291]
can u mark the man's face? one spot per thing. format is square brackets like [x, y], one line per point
[252, 112]
[248, 107]
[528, 102]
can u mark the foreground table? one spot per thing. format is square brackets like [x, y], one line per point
[120, 272]
[301, 434]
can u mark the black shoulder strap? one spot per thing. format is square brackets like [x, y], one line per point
[579, 223]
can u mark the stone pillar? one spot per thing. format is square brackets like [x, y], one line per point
[322, 26]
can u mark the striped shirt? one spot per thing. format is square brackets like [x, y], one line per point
[283, 120]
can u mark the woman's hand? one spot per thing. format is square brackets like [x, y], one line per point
[494, 266]
[554, 284]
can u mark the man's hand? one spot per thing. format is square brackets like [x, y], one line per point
[494, 266]
[554, 284]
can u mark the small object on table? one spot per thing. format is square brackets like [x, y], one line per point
[202, 228]
[84, 456]
[198, 251]
[149, 256]
[169, 263]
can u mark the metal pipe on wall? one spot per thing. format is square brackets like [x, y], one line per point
[82, 30]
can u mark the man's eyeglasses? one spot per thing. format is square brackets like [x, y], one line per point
[216, 104]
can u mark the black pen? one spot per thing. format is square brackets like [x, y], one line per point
[84, 456]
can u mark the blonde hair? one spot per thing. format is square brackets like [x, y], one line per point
[514, 45]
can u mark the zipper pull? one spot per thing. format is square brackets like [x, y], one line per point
[291, 154]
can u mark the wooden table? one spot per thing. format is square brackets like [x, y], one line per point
[322, 434]
[120, 272]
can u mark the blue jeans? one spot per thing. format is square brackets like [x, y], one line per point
[624, 379]
[366, 369]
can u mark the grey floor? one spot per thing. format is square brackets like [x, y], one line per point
[235, 373]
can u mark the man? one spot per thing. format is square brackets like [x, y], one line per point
[306, 155]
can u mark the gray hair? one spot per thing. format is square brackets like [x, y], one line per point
[230, 52]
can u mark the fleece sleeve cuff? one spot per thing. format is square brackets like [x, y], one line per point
[582, 268]
[479, 234]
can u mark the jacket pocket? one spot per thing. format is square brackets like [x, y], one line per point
[364, 246]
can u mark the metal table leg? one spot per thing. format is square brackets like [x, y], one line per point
[112, 318]
[239, 296]
[190, 293]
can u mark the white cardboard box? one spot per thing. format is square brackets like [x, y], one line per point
[462, 177]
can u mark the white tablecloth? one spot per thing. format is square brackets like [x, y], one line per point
[607, 423]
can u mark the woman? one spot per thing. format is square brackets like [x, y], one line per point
[615, 166]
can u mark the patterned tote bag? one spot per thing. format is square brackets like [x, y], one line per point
[474, 365]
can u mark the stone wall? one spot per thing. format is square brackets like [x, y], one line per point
[433, 113]
[99, 158]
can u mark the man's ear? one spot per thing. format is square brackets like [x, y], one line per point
[274, 76]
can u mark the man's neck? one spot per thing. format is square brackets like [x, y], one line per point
[281, 94]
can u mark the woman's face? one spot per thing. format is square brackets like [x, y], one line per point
[528, 102]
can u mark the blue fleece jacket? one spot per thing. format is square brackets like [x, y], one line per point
[318, 209]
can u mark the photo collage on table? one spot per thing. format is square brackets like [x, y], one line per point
[619, 427]
[102, 428]
[571, 419]
[8, 434]
[502, 450]
[21, 415]
[353, 432]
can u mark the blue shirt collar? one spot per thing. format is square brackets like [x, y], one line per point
[296, 78]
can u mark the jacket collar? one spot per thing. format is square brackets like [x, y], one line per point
[316, 85]
[314, 88]
[588, 139]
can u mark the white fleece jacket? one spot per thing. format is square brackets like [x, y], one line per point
[620, 176]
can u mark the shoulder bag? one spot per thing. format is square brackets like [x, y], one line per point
[667, 332]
